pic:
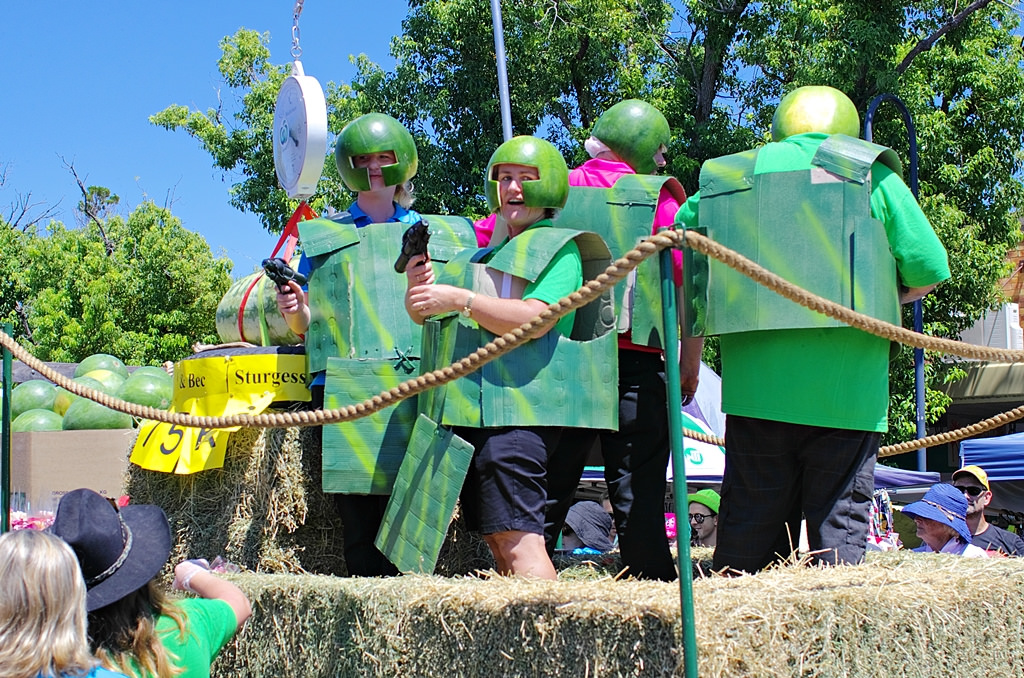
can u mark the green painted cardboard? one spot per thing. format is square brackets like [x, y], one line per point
[421, 507]
[363, 456]
[550, 381]
[355, 296]
[623, 216]
[820, 237]
[361, 334]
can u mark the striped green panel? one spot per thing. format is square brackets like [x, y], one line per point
[363, 456]
[427, 486]
[623, 216]
[811, 227]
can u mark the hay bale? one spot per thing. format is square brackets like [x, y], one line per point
[901, 614]
[264, 510]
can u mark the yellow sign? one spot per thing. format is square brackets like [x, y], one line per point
[215, 387]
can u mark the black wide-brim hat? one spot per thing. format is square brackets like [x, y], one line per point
[119, 551]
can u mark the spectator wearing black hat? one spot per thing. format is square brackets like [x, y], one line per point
[973, 482]
[939, 517]
[133, 627]
[587, 529]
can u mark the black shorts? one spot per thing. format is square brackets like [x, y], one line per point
[506, 487]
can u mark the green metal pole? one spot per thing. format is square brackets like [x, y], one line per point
[5, 440]
[675, 427]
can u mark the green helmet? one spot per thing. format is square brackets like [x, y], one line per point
[375, 133]
[550, 190]
[634, 130]
[815, 108]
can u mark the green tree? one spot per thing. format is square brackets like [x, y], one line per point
[717, 70]
[142, 288]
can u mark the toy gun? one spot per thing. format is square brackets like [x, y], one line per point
[278, 270]
[414, 241]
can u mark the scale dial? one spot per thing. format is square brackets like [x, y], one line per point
[300, 133]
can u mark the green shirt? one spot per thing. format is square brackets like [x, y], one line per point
[834, 377]
[209, 625]
[562, 277]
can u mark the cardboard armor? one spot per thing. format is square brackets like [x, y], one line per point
[623, 216]
[361, 335]
[812, 227]
[550, 381]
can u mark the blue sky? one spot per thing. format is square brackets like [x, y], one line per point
[81, 79]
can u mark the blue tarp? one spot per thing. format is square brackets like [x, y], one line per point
[1001, 457]
[887, 477]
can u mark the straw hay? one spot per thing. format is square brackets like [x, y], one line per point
[901, 614]
[264, 510]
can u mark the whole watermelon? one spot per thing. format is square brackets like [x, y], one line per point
[148, 388]
[37, 420]
[35, 394]
[86, 414]
[65, 397]
[111, 380]
[102, 361]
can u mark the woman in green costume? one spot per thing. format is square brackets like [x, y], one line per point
[506, 489]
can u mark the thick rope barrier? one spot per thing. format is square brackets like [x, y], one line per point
[612, 275]
[615, 272]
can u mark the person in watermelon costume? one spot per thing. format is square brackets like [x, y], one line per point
[806, 397]
[627, 148]
[358, 337]
[513, 410]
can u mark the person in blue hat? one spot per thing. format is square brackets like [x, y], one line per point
[940, 517]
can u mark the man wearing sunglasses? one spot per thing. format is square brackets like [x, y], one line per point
[704, 507]
[973, 482]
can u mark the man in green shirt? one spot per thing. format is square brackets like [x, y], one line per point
[806, 397]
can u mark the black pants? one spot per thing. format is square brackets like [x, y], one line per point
[777, 473]
[361, 516]
[635, 463]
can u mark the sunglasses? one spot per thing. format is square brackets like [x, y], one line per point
[970, 490]
[699, 518]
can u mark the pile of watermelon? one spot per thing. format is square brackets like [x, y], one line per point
[38, 405]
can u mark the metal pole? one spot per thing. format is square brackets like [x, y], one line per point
[675, 428]
[5, 439]
[499, 54]
[919, 399]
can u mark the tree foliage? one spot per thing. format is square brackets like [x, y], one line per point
[142, 288]
[717, 69]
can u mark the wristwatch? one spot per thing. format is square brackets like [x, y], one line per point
[467, 310]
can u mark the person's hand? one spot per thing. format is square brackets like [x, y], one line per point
[428, 300]
[289, 298]
[687, 384]
[185, 570]
[419, 271]
[689, 367]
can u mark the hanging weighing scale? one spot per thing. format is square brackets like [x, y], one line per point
[300, 126]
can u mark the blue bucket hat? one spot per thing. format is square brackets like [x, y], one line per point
[945, 504]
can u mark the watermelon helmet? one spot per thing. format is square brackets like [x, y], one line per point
[375, 133]
[634, 130]
[550, 190]
[815, 108]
